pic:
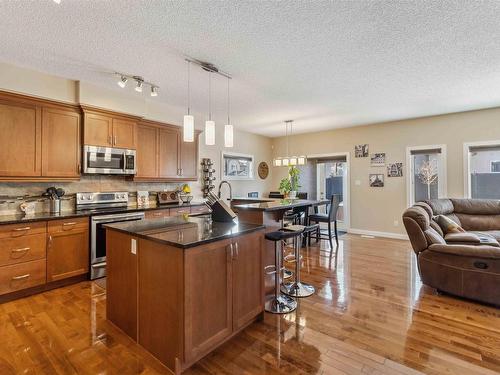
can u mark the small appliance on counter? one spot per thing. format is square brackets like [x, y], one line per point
[55, 195]
[221, 212]
[168, 197]
[142, 199]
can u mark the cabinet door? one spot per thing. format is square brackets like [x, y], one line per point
[20, 140]
[248, 289]
[67, 251]
[147, 151]
[168, 159]
[124, 134]
[60, 143]
[208, 298]
[97, 130]
[189, 159]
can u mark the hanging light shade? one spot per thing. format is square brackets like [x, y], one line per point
[277, 162]
[293, 160]
[188, 123]
[301, 160]
[209, 124]
[228, 136]
[209, 133]
[285, 161]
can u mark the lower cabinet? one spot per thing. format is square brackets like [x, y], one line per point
[67, 248]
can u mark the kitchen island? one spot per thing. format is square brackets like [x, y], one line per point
[181, 286]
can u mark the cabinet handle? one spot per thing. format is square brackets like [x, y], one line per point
[115, 140]
[231, 249]
[22, 229]
[71, 223]
[49, 244]
[21, 277]
[22, 250]
[110, 140]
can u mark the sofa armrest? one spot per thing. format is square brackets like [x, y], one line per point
[462, 237]
[476, 251]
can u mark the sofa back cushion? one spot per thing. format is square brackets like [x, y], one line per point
[479, 222]
[476, 206]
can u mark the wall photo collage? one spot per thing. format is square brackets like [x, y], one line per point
[378, 160]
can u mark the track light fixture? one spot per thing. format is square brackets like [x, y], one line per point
[140, 83]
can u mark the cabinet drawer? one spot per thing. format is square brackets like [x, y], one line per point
[179, 211]
[22, 276]
[200, 209]
[157, 213]
[22, 249]
[22, 229]
[67, 224]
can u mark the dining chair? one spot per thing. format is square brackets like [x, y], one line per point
[329, 217]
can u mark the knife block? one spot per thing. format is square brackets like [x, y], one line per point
[221, 212]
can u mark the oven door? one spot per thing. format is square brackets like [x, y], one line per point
[107, 160]
[98, 240]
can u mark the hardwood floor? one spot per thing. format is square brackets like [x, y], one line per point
[370, 315]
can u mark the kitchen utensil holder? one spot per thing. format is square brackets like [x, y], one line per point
[55, 206]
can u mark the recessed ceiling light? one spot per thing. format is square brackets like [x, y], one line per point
[154, 91]
[57, 1]
[122, 82]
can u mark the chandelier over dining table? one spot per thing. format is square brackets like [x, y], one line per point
[289, 160]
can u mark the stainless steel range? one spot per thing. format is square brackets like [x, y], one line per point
[104, 208]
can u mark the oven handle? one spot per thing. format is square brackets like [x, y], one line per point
[98, 219]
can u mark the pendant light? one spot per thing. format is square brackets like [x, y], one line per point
[209, 124]
[188, 124]
[288, 160]
[228, 128]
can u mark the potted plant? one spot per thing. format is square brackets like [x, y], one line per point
[294, 174]
[285, 186]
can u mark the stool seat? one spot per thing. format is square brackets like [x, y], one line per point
[280, 235]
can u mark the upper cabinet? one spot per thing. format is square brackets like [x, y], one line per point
[109, 129]
[163, 156]
[40, 139]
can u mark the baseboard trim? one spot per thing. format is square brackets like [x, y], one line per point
[373, 233]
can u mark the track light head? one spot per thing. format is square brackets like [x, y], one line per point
[138, 88]
[154, 91]
[123, 82]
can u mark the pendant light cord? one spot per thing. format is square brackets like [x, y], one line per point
[189, 87]
[228, 107]
[209, 96]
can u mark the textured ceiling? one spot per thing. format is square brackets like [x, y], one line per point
[325, 64]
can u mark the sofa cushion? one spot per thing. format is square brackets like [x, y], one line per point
[448, 225]
[419, 215]
[441, 206]
[490, 233]
[479, 222]
[433, 236]
[475, 251]
[462, 237]
[476, 206]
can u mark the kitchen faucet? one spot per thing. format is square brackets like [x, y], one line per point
[230, 189]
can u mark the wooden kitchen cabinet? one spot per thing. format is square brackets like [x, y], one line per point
[40, 139]
[248, 290]
[109, 129]
[98, 130]
[162, 155]
[168, 156]
[67, 248]
[61, 147]
[147, 151]
[207, 265]
[124, 134]
[20, 140]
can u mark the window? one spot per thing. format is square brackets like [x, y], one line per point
[482, 172]
[426, 171]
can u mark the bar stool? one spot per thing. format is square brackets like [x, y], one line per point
[289, 218]
[280, 303]
[298, 288]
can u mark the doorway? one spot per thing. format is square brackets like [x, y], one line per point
[332, 177]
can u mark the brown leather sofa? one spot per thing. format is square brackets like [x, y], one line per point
[464, 264]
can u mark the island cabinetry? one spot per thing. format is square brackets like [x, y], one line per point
[187, 301]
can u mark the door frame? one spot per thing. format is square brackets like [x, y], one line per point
[442, 168]
[346, 187]
[467, 179]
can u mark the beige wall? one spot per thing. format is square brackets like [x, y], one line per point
[30, 82]
[376, 209]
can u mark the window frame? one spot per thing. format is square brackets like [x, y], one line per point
[442, 172]
[466, 163]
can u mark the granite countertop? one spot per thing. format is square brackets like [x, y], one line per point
[278, 204]
[184, 232]
[22, 218]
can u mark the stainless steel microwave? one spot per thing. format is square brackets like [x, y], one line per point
[108, 160]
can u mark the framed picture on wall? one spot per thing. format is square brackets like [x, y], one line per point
[237, 166]
[377, 160]
[376, 180]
